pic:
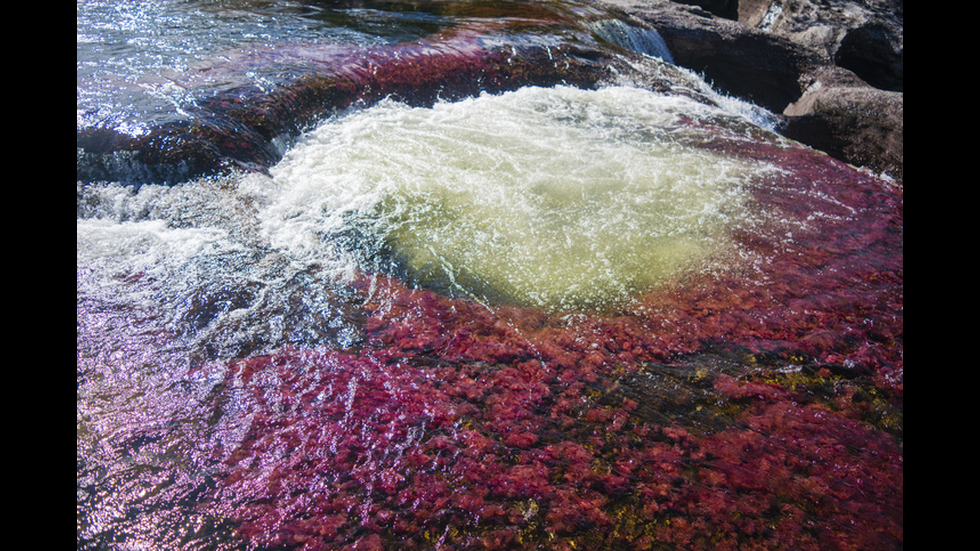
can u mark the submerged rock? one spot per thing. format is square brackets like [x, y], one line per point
[458, 424]
[754, 407]
[248, 127]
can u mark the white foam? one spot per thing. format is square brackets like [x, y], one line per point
[555, 197]
[547, 196]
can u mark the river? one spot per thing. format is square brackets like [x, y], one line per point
[517, 311]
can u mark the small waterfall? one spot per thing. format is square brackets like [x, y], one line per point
[636, 39]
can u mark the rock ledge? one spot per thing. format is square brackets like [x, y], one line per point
[832, 68]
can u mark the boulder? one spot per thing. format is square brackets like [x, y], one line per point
[864, 36]
[842, 116]
[832, 68]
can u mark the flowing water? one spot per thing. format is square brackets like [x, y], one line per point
[256, 348]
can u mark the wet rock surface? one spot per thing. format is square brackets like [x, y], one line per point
[245, 128]
[841, 115]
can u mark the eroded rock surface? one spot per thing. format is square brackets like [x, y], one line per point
[834, 69]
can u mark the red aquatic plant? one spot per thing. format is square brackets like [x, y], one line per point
[458, 425]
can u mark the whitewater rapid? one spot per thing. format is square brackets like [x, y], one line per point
[559, 198]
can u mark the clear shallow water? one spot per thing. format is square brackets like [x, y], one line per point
[248, 358]
[140, 63]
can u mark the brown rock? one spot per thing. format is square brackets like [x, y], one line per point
[844, 117]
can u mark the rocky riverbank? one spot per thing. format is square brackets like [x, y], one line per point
[832, 68]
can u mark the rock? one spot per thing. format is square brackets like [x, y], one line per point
[840, 115]
[833, 68]
[874, 52]
[864, 36]
[753, 65]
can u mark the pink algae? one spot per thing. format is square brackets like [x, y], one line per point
[458, 426]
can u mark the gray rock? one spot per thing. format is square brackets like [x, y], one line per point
[844, 117]
[832, 68]
[865, 36]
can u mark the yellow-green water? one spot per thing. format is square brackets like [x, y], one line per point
[561, 198]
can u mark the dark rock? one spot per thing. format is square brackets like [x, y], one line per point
[752, 65]
[834, 68]
[874, 53]
[865, 36]
[722, 8]
[842, 116]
